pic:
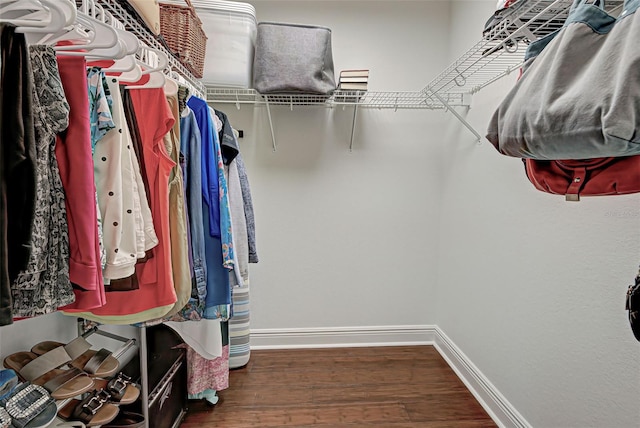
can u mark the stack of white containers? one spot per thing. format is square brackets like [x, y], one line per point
[231, 29]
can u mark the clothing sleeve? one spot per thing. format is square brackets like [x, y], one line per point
[248, 209]
[210, 189]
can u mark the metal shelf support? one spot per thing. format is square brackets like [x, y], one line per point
[144, 376]
[353, 126]
[273, 136]
[459, 117]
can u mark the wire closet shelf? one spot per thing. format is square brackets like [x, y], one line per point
[144, 35]
[502, 47]
[367, 99]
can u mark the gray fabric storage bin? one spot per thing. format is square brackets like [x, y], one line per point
[293, 58]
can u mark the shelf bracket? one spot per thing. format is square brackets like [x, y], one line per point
[353, 126]
[273, 136]
[458, 116]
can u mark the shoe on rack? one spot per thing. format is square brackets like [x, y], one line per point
[24, 405]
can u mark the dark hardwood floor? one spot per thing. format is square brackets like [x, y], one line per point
[395, 387]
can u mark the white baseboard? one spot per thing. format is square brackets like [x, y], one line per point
[496, 405]
[340, 337]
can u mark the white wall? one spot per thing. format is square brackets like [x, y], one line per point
[349, 239]
[531, 287]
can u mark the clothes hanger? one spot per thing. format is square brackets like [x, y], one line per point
[193, 91]
[103, 41]
[156, 78]
[104, 36]
[70, 32]
[170, 85]
[130, 41]
[127, 43]
[157, 59]
[24, 12]
[128, 63]
[133, 75]
[152, 77]
[55, 20]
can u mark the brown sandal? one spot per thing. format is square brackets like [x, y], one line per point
[120, 389]
[45, 371]
[96, 363]
[93, 410]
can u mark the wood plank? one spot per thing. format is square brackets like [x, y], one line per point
[487, 423]
[327, 415]
[336, 376]
[459, 406]
[268, 396]
[406, 393]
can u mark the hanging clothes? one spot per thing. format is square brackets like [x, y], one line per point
[177, 215]
[228, 143]
[234, 199]
[73, 151]
[190, 147]
[209, 164]
[156, 294]
[16, 130]
[101, 123]
[248, 209]
[18, 162]
[240, 238]
[206, 375]
[44, 285]
[147, 237]
[119, 196]
[219, 251]
[226, 228]
[218, 296]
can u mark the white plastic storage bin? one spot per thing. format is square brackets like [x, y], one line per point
[231, 28]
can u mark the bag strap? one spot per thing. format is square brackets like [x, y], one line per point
[630, 6]
[577, 3]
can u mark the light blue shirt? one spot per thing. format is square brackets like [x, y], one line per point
[210, 191]
[190, 147]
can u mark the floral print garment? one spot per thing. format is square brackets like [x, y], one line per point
[203, 374]
[100, 102]
[226, 232]
[100, 110]
[44, 285]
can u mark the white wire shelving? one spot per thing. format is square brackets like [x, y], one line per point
[146, 37]
[499, 52]
[367, 99]
[357, 99]
[502, 47]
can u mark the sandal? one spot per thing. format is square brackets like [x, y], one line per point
[96, 363]
[27, 406]
[120, 389]
[126, 420]
[45, 371]
[5, 419]
[93, 410]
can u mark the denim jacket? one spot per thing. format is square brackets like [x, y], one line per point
[190, 147]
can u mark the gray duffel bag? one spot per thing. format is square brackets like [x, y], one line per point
[292, 58]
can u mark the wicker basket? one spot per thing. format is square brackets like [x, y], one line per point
[182, 30]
